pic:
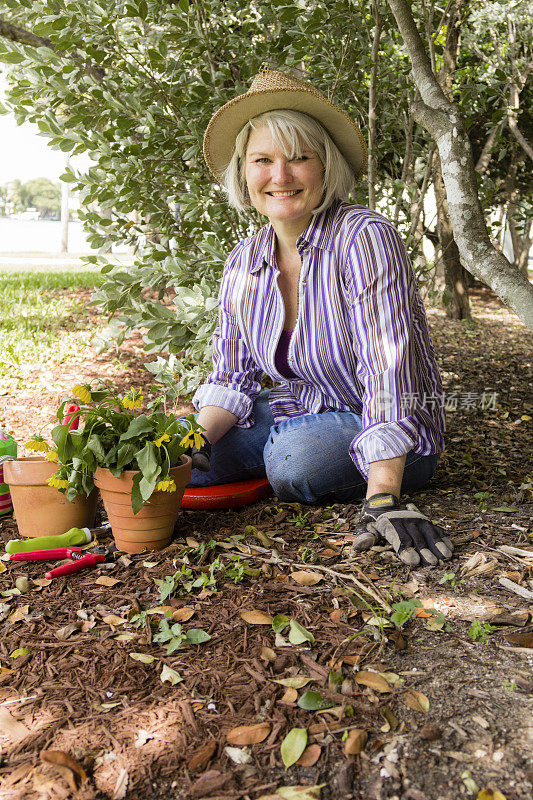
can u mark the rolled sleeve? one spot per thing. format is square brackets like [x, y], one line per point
[235, 380]
[381, 283]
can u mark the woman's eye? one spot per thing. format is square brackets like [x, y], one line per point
[301, 158]
[261, 160]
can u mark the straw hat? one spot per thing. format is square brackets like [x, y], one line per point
[270, 90]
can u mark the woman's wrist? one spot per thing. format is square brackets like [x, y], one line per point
[385, 477]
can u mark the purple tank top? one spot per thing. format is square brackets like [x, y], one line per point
[281, 357]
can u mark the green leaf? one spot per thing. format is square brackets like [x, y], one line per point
[293, 746]
[137, 427]
[298, 634]
[137, 501]
[279, 623]
[197, 636]
[313, 701]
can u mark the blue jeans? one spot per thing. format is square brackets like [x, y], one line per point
[305, 458]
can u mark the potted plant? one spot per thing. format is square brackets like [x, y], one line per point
[39, 508]
[138, 460]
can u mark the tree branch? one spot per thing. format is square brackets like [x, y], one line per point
[22, 36]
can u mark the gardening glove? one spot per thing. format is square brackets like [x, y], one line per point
[200, 456]
[414, 537]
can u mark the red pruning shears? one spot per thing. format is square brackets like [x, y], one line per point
[80, 559]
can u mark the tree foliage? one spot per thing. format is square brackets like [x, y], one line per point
[134, 84]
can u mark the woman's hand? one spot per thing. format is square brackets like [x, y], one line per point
[414, 537]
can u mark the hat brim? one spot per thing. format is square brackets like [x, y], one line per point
[225, 124]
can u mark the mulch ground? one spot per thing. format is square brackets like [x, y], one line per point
[431, 709]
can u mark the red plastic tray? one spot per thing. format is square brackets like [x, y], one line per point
[226, 495]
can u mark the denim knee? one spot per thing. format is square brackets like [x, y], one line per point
[289, 470]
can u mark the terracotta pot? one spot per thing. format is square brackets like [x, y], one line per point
[151, 528]
[41, 510]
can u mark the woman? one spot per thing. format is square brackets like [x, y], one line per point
[323, 300]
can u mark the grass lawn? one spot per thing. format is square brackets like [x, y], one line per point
[41, 321]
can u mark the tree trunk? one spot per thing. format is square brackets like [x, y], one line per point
[443, 121]
[372, 103]
[456, 297]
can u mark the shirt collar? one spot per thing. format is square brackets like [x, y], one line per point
[319, 233]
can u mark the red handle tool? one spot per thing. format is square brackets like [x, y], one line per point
[78, 565]
[46, 555]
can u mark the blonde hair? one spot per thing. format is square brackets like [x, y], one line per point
[290, 131]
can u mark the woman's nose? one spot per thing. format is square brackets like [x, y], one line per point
[282, 172]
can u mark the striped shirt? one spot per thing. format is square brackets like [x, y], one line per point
[360, 342]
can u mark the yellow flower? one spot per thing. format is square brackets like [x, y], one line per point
[51, 455]
[57, 483]
[38, 444]
[163, 438]
[192, 439]
[133, 399]
[82, 393]
[166, 485]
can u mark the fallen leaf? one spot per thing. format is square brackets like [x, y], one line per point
[208, 783]
[248, 734]
[144, 658]
[391, 721]
[430, 732]
[279, 623]
[125, 637]
[373, 680]
[170, 675]
[293, 745]
[20, 651]
[150, 564]
[304, 578]
[19, 614]
[192, 542]
[61, 759]
[238, 755]
[310, 756]
[42, 582]
[355, 742]
[487, 794]
[12, 727]
[290, 696]
[113, 620]
[267, 654]
[121, 786]
[106, 580]
[393, 678]
[313, 701]
[299, 792]
[63, 633]
[298, 634]
[296, 682]
[255, 617]
[202, 755]
[182, 614]
[416, 700]
[161, 610]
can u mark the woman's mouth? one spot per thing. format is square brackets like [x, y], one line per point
[290, 193]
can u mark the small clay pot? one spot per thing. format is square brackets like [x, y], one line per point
[151, 528]
[41, 510]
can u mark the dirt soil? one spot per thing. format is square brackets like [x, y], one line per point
[436, 708]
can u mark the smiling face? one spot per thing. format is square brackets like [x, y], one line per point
[286, 190]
